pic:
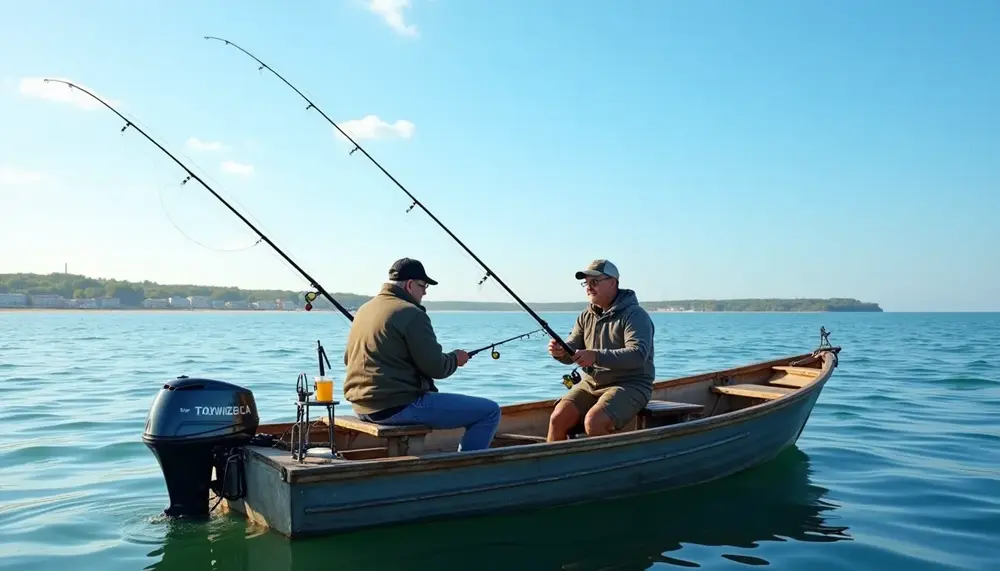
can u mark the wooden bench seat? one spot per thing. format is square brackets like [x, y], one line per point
[753, 391]
[406, 439]
[505, 438]
[379, 430]
[655, 413]
[794, 377]
[793, 381]
[800, 371]
[659, 412]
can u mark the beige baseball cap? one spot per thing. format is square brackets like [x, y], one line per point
[598, 268]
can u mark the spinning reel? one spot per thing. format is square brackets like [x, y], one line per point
[572, 378]
[310, 297]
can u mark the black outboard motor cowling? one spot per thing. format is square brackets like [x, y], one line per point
[193, 426]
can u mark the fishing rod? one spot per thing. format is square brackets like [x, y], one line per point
[416, 202]
[496, 354]
[311, 296]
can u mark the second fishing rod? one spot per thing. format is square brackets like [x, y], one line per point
[416, 202]
[311, 296]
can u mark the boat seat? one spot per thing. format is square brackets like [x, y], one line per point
[655, 413]
[794, 377]
[660, 412]
[793, 381]
[766, 392]
[403, 440]
[505, 438]
[800, 371]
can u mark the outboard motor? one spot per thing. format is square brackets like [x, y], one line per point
[196, 425]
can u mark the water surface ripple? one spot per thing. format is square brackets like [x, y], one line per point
[898, 466]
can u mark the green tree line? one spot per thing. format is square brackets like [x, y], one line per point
[132, 294]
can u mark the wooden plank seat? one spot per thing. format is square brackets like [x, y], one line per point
[660, 412]
[794, 377]
[405, 439]
[655, 413]
[379, 430]
[510, 438]
[766, 392]
[800, 371]
[793, 381]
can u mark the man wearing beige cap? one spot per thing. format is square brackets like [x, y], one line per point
[612, 342]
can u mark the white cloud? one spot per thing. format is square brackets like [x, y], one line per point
[61, 93]
[371, 127]
[196, 144]
[392, 12]
[233, 167]
[14, 177]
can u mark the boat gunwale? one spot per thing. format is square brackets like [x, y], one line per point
[410, 464]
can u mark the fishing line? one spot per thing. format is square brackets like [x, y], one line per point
[313, 283]
[232, 199]
[489, 273]
[204, 176]
[180, 189]
[310, 296]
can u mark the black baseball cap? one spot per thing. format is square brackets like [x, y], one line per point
[409, 269]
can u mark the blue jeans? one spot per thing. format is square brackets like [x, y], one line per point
[478, 415]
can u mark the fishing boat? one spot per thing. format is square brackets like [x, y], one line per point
[215, 454]
[320, 476]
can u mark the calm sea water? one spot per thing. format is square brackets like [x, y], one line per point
[899, 464]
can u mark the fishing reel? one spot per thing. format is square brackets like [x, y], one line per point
[570, 379]
[493, 353]
[310, 297]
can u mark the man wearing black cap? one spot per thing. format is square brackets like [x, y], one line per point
[612, 342]
[393, 356]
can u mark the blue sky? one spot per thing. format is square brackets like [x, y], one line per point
[711, 149]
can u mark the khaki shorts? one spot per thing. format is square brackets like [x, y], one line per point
[620, 403]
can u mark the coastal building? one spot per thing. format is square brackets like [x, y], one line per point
[93, 303]
[180, 303]
[239, 304]
[218, 304]
[155, 303]
[13, 300]
[265, 305]
[199, 302]
[48, 300]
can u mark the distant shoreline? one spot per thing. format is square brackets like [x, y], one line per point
[336, 312]
[64, 291]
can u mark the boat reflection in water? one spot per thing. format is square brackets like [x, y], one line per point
[771, 503]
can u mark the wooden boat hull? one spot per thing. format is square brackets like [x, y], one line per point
[737, 432]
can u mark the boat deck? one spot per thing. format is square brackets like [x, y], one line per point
[675, 401]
